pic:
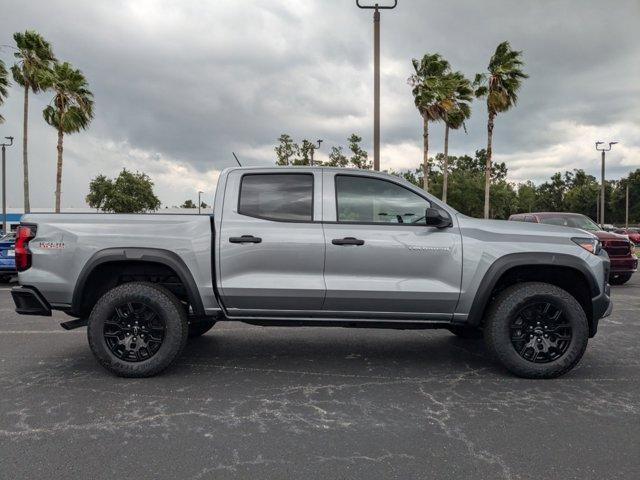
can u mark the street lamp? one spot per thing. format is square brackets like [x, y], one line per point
[313, 150]
[4, 184]
[603, 150]
[376, 76]
[199, 202]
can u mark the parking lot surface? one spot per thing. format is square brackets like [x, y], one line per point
[317, 403]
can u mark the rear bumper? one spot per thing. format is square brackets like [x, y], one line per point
[623, 264]
[29, 301]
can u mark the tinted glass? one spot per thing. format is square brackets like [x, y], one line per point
[574, 221]
[277, 196]
[529, 219]
[368, 200]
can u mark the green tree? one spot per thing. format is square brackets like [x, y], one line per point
[359, 156]
[188, 204]
[33, 56]
[337, 158]
[286, 150]
[128, 193]
[581, 193]
[70, 110]
[4, 84]
[431, 93]
[551, 194]
[461, 95]
[500, 86]
[527, 197]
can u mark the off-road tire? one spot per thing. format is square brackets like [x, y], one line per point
[167, 307]
[199, 328]
[469, 333]
[619, 278]
[506, 306]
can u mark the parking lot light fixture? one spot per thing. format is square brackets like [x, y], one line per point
[601, 148]
[4, 184]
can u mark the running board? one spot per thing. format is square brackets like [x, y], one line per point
[77, 323]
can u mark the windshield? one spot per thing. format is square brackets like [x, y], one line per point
[574, 221]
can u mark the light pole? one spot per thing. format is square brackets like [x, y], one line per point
[603, 150]
[4, 184]
[313, 151]
[376, 76]
[199, 201]
[626, 206]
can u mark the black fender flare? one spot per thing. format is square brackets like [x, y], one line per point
[152, 255]
[509, 261]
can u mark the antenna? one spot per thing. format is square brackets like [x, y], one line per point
[236, 157]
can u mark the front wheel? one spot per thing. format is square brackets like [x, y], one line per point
[619, 278]
[137, 329]
[536, 330]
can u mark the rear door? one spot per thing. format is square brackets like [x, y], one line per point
[382, 259]
[272, 244]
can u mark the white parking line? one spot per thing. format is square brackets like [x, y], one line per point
[40, 332]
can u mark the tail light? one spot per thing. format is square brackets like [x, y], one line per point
[24, 234]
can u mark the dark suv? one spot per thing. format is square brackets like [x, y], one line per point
[621, 251]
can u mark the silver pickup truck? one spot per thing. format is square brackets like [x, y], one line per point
[312, 246]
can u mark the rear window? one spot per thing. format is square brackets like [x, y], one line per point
[277, 196]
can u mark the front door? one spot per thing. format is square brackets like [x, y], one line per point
[382, 259]
[271, 248]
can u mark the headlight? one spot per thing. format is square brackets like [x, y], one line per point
[592, 245]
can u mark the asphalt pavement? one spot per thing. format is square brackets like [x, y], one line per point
[317, 403]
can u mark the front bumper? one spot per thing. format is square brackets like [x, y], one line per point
[601, 306]
[623, 265]
[29, 301]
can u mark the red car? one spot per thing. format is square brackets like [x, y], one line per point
[621, 250]
[632, 233]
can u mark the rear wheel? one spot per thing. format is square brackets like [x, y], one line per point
[619, 278]
[536, 330]
[137, 329]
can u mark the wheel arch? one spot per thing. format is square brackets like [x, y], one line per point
[565, 271]
[129, 257]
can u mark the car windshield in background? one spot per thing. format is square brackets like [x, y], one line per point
[573, 221]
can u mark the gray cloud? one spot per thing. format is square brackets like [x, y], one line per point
[179, 85]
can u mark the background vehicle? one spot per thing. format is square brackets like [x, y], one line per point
[7, 255]
[632, 233]
[620, 249]
[315, 247]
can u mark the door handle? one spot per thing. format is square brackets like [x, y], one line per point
[347, 241]
[245, 239]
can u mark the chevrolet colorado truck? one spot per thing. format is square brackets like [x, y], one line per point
[314, 246]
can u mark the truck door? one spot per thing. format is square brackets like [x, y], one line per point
[271, 244]
[382, 259]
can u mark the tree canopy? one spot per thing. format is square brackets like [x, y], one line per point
[129, 192]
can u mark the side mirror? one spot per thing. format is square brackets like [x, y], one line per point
[435, 217]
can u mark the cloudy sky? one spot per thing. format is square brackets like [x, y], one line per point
[180, 84]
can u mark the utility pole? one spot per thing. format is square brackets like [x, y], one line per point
[313, 151]
[4, 184]
[199, 202]
[602, 196]
[598, 208]
[376, 76]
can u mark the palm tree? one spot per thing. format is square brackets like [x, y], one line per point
[431, 92]
[500, 86]
[33, 55]
[4, 83]
[461, 97]
[70, 110]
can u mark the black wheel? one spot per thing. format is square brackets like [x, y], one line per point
[619, 278]
[137, 329]
[201, 327]
[536, 330]
[466, 332]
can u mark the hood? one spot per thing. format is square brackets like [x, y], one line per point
[507, 227]
[602, 235]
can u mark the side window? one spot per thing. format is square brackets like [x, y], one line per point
[370, 200]
[529, 219]
[283, 197]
